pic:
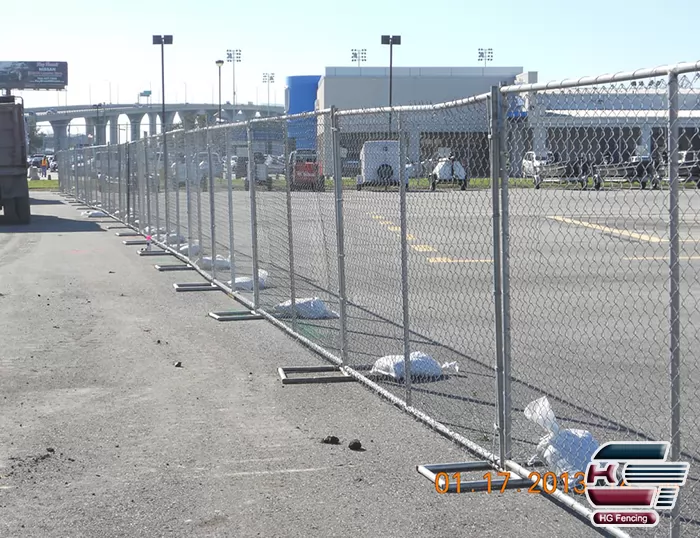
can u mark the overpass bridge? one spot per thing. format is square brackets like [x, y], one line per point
[98, 117]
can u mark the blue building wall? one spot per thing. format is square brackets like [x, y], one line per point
[301, 97]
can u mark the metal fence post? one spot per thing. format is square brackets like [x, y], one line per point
[120, 148]
[147, 181]
[403, 210]
[153, 141]
[289, 169]
[200, 238]
[128, 184]
[212, 211]
[109, 177]
[340, 231]
[497, 290]
[252, 183]
[188, 196]
[166, 180]
[506, 432]
[675, 291]
[229, 180]
[176, 185]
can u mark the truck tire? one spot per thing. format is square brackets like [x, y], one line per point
[23, 210]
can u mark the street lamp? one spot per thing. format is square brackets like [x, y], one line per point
[219, 64]
[268, 78]
[391, 40]
[163, 40]
[234, 56]
[485, 55]
[359, 55]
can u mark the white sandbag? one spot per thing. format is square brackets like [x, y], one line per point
[94, 214]
[190, 250]
[246, 282]
[219, 262]
[307, 308]
[153, 230]
[170, 239]
[422, 365]
[562, 450]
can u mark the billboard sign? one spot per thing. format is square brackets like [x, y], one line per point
[33, 75]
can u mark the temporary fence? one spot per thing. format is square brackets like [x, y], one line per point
[487, 264]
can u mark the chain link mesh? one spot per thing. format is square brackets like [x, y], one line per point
[559, 272]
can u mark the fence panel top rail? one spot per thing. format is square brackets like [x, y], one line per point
[622, 76]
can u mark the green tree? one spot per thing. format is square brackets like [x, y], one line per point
[36, 138]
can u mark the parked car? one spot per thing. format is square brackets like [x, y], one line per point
[304, 171]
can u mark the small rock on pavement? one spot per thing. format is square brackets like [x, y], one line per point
[331, 440]
[178, 364]
[355, 444]
[52, 450]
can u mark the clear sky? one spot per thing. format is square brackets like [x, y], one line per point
[108, 45]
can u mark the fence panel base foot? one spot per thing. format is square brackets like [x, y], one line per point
[127, 234]
[154, 253]
[450, 485]
[236, 315]
[196, 286]
[286, 380]
[174, 267]
[133, 242]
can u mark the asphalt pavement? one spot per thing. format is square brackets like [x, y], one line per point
[589, 299]
[101, 434]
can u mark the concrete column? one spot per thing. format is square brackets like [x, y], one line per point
[413, 153]
[167, 123]
[90, 129]
[135, 124]
[535, 113]
[152, 123]
[60, 134]
[101, 133]
[188, 120]
[646, 138]
[114, 129]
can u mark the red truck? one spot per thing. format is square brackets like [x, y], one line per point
[305, 172]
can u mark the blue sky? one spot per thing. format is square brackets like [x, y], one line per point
[108, 44]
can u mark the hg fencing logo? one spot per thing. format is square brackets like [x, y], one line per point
[626, 482]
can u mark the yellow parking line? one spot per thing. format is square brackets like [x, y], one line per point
[394, 228]
[422, 248]
[456, 260]
[608, 229]
[378, 217]
[410, 237]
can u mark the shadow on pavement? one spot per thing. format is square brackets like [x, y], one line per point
[51, 224]
[39, 201]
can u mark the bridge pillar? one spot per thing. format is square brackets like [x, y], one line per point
[90, 129]
[60, 134]
[113, 129]
[101, 133]
[135, 124]
[188, 120]
[166, 124]
[152, 123]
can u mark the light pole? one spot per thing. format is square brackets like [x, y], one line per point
[234, 56]
[163, 40]
[485, 55]
[219, 64]
[391, 40]
[268, 78]
[359, 55]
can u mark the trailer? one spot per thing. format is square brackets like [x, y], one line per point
[14, 147]
[639, 168]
